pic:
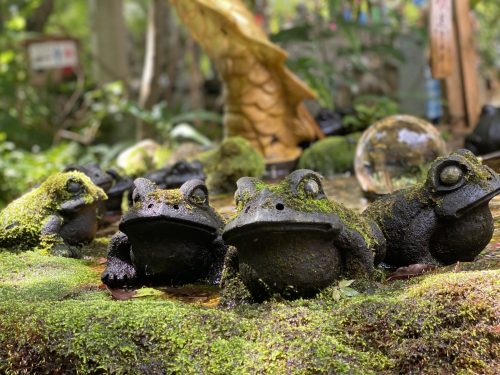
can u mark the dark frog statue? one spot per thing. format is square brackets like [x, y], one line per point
[59, 215]
[443, 220]
[293, 241]
[168, 237]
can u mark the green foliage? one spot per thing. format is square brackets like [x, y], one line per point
[28, 114]
[488, 32]
[329, 38]
[55, 319]
[369, 109]
[110, 103]
[342, 290]
[330, 156]
[21, 170]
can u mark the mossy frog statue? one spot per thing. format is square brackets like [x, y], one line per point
[443, 220]
[168, 237]
[58, 216]
[293, 241]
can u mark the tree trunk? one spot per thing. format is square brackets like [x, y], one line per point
[109, 43]
[37, 20]
[154, 60]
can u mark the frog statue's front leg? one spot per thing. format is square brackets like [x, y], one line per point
[119, 271]
[51, 239]
[218, 250]
[360, 254]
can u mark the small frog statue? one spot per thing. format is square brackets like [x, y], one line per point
[59, 215]
[168, 237]
[444, 220]
[95, 173]
[293, 241]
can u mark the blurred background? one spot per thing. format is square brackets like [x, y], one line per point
[82, 80]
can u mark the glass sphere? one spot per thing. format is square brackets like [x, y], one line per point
[395, 153]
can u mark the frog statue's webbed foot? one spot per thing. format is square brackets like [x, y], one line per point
[119, 274]
[119, 271]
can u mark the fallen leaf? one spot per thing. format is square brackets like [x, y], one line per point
[413, 270]
[121, 294]
[147, 292]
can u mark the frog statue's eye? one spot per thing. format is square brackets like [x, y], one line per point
[450, 175]
[195, 192]
[199, 196]
[74, 186]
[245, 190]
[306, 182]
[311, 188]
[135, 196]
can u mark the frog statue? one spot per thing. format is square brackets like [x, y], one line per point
[168, 237]
[59, 215]
[293, 241]
[443, 220]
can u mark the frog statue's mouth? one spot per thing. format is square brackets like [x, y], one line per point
[159, 226]
[264, 229]
[74, 205]
[268, 224]
[469, 197]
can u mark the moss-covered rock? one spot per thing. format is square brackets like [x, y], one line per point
[233, 158]
[143, 157]
[332, 155]
[56, 319]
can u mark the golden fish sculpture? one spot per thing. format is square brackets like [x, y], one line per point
[263, 100]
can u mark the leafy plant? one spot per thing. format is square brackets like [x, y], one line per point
[342, 290]
[367, 110]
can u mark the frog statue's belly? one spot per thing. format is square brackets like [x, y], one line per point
[81, 227]
[170, 253]
[463, 238]
[290, 263]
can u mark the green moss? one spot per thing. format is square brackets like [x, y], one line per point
[478, 173]
[55, 319]
[232, 159]
[332, 155]
[168, 196]
[22, 220]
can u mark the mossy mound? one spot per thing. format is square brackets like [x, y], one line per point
[55, 318]
[143, 157]
[232, 159]
[332, 155]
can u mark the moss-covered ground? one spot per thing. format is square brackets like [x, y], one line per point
[55, 318]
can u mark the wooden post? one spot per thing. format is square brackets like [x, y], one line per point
[441, 38]
[468, 61]
[462, 80]
[453, 88]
